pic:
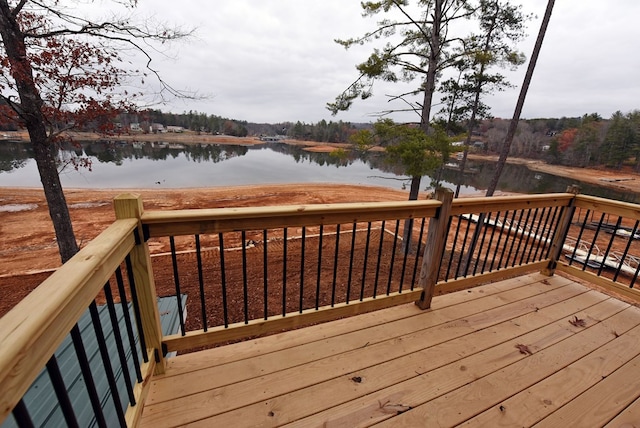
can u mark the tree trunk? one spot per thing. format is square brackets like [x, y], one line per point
[408, 223]
[432, 69]
[30, 110]
[504, 153]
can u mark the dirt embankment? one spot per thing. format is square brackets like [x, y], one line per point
[29, 251]
[625, 179]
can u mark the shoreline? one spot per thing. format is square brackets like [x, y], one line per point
[622, 180]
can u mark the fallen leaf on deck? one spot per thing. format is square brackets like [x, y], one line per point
[578, 322]
[524, 349]
[394, 408]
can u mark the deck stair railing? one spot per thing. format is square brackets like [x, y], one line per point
[56, 327]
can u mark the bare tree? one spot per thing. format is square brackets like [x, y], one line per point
[66, 71]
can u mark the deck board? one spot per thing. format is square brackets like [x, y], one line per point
[456, 363]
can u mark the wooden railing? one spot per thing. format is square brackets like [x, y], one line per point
[251, 271]
[600, 243]
[492, 238]
[274, 268]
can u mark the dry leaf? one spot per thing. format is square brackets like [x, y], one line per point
[578, 322]
[544, 281]
[394, 408]
[524, 349]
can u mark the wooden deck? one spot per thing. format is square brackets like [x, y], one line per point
[526, 351]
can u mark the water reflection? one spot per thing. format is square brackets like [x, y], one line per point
[144, 164]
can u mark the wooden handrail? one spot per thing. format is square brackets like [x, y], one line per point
[504, 203]
[32, 331]
[188, 222]
[623, 209]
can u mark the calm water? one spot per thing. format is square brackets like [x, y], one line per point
[148, 165]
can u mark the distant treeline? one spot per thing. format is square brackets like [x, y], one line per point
[589, 140]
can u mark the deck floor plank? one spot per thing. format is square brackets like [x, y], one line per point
[490, 389]
[629, 417]
[608, 397]
[454, 321]
[534, 403]
[164, 389]
[408, 367]
[360, 402]
[256, 347]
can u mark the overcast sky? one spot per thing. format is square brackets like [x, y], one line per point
[275, 60]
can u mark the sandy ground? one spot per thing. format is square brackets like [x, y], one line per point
[27, 234]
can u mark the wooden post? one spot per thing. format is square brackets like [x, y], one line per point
[434, 248]
[130, 206]
[563, 229]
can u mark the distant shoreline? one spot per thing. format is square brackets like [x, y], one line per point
[622, 180]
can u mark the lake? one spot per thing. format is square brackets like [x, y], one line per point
[163, 165]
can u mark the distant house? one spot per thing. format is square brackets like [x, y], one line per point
[135, 127]
[157, 127]
[178, 129]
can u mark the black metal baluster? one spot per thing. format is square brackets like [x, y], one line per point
[415, 263]
[626, 249]
[393, 256]
[491, 237]
[304, 243]
[223, 282]
[106, 362]
[575, 249]
[83, 360]
[541, 240]
[551, 232]
[245, 286]
[21, 415]
[265, 273]
[464, 247]
[61, 392]
[176, 280]
[453, 247]
[378, 262]
[529, 232]
[335, 266]
[523, 232]
[353, 245]
[516, 231]
[485, 225]
[536, 234]
[117, 337]
[418, 253]
[127, 323]
[365, 261]
[136, 309]
[203, 304]
[593, 243]
[510, 234]
[319, 266]
[406, 248]
[284, 273]
[606, 253]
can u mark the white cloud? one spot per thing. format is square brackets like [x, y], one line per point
[276, 60]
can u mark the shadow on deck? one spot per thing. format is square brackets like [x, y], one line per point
[524, 351]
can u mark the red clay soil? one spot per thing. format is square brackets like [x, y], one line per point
[29, 252]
